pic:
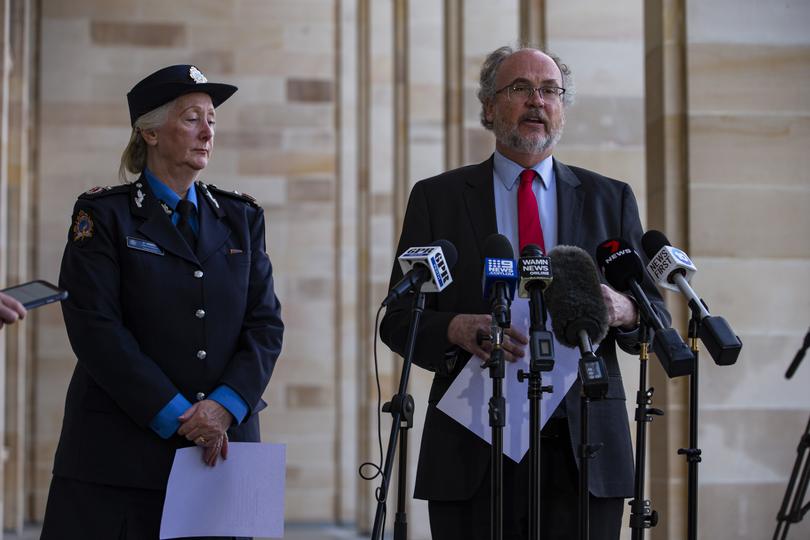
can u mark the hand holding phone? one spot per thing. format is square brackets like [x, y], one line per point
[10, 310]
[35, 293]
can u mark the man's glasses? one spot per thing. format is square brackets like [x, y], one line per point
[524, 92]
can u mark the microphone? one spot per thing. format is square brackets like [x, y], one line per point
[578, 313]
[672, 269]
[426, 269]
[534, 269]
[624, 271]
[535, 275]
[499, 277]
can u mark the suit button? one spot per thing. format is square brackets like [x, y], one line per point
[200, 396]
[198, 274]
[200, 313]
[201, 354]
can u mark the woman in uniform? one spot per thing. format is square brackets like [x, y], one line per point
[171, 314]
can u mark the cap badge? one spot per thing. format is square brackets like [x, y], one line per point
[196, 75]
[82, 226]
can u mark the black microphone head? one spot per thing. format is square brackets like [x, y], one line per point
[620, 263]
[449, 250]
[531, 250]
[574, 298]
[652, 242]
[497, 246]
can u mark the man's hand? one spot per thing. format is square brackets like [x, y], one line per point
[621, 310]
[466, 330]
[204, 423]
[10, 310]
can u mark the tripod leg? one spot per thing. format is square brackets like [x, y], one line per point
[791, 510]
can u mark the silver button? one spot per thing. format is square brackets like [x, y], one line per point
[200, 313]
[201, 354]
[200, 396]
[198, 274]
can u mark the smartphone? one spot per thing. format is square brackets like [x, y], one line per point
[36, 293]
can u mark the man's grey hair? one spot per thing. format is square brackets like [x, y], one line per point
[489, 72]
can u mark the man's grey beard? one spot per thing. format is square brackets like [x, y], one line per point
[509, 136]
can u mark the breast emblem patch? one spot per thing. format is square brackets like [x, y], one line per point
[82, 226]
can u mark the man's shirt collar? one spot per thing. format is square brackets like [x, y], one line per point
[507, 171]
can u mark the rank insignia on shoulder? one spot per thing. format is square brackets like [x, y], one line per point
[82, 227]
[235, 194]
[100, 191]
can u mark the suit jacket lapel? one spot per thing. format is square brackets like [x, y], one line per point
[569, 205]
[479, 197]
[157, 225]
[213, 231]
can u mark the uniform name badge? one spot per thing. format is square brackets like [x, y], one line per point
[143, 245]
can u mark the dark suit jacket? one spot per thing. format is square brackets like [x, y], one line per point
[459, 206]
[132, 316]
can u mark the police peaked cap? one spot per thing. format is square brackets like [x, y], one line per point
[170, 82]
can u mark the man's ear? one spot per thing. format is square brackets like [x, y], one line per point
[149, 136]
[489, 113]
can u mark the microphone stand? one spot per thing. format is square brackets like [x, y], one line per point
[791, 510]
[642, 516]
[541, 345]
[594, 386]
[401, 408]
[497, 414]
[693, 452]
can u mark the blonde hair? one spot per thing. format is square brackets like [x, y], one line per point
[133, 160]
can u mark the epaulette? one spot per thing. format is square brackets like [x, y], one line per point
[244, 197]
[98, 191]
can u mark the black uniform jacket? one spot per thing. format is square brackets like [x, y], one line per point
[459, 206]
[148, 318]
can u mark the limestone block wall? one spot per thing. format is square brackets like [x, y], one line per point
[749, 190]
[317, 135]
[275, 140]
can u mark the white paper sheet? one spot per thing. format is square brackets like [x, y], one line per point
[467, 399]
[241, 496]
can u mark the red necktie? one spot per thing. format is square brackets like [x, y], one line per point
[529, 229]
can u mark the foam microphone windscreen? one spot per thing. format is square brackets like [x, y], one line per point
[652, 242]
[574, 298]
[449, 251]
[531, 250]
[497, 246]
[620, 263]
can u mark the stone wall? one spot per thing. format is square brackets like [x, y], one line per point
[701, 106]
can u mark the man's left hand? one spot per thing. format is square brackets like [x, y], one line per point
[621, 310]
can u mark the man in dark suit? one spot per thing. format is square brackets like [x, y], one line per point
[523, 94]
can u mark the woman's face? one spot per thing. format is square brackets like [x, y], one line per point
[186, 140]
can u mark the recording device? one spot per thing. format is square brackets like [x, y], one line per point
[36, 293]
[499, 277]
[672, 269]
[578, 313]
[426, 269]
[624, 271]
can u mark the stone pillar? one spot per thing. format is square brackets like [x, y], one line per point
[667, 183]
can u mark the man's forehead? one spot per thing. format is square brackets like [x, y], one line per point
[528, 64]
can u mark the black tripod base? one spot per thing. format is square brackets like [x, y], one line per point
[642, 516]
